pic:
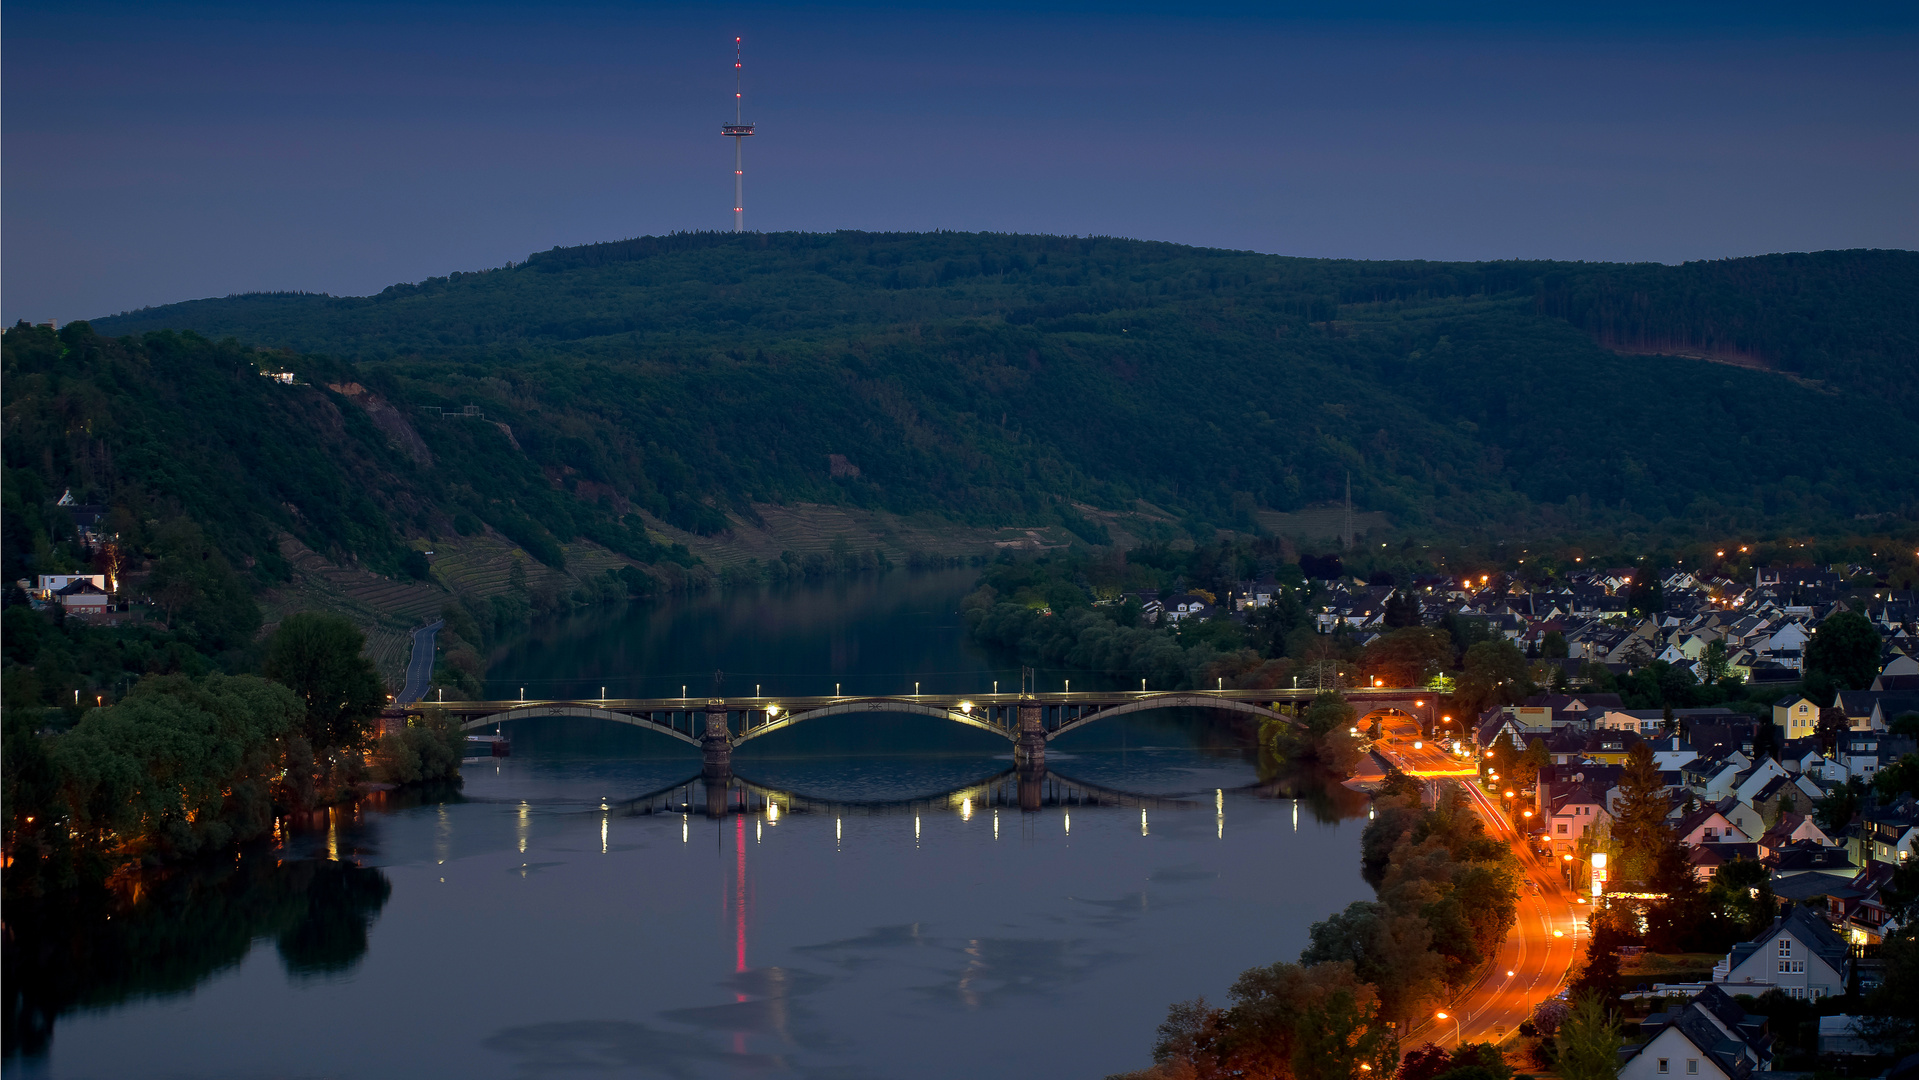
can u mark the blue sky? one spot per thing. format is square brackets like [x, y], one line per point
[165, 152]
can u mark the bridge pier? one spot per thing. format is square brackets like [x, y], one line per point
[1029, 744]
[716, 745]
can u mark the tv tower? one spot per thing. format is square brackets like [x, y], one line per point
[737, 130]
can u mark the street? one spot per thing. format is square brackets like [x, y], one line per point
[419, 668]
[1546, 939]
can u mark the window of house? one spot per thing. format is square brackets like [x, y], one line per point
[1785, 946]
[1663, 1066]
[1562, 828]
[1692, 1066]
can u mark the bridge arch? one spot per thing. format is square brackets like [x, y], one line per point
[1173, 701]
[566, 709]
[871, 705]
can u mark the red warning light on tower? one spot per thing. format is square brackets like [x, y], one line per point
[737, 130]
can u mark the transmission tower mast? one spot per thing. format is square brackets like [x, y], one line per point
[737, 130]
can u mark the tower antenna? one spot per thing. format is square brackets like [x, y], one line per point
[737, 130]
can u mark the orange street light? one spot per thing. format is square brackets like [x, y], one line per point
[1456, 1035]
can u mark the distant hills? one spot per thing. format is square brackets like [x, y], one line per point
[999, 379]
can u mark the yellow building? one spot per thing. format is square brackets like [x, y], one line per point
[1797, 715]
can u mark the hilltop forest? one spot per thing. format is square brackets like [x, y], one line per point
[998, 379]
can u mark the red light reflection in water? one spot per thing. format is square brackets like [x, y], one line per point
[739, 916]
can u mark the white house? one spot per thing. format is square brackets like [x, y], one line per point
[1574, 812]
[1799, 954]
[46, 585]
[1708, 826]
[1709, 1036]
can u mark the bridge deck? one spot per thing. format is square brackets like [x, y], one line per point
[803, 703]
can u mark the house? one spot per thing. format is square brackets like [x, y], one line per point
[82, 597]
[1710, 1036]
[1757, 779]
[1797, 715]
[1887, 834]
[1742, 814]
[1858, 908]
[1186, 606]
[1901, 673]
[46, 585]
[1706, 859]
[1891, 706]
[1708, 826]
[1864, 753]
[1573, 812]
[1789, 828]
[1798, 954]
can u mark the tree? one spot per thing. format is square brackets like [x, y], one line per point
[319, 657]
[1588, 1041]
[1648, 596]
[1839, 806]
[1286, 1021]
[1391, 951]
[1741, 893]
[198, 591]
[1535, 758]
[1408, 657]
[1842, 655]
[1553, 645]
[1715, 664]
[1640, 817]
[1401, 611]
[1495, 673]
[1833, 725]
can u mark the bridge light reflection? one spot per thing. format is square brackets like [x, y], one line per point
[1219, 808]
[683, 829]
[916, 830]
[1069, 823]
[996, 824]
[1142, 821]
[772, 812]
[966, 809]
[837, 833]
[523, 824]
[602, 834]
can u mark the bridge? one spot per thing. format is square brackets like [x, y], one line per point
[1029, 721]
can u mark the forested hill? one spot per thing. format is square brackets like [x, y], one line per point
[997, 378]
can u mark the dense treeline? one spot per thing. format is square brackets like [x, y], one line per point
[184, 766]
[1002, 378]
[1849, 318]
[172, 428]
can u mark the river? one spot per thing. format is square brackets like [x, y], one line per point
[873, 903]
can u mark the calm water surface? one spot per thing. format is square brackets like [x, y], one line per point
[577, 912]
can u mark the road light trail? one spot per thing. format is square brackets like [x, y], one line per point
[1538, 963]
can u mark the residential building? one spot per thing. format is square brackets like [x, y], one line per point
[1798, 954]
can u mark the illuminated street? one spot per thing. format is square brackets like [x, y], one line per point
[1546, 938]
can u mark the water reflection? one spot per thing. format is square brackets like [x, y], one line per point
[163, 937]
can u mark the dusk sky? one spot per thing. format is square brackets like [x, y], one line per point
[160, 152]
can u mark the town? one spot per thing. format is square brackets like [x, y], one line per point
[1806, 807]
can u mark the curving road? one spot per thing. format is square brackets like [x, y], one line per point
[419, 668]
[1545, 942]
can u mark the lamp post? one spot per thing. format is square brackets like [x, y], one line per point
[1457, 1037]
[1568, 864]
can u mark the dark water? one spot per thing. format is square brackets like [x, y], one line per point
[870, 901]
